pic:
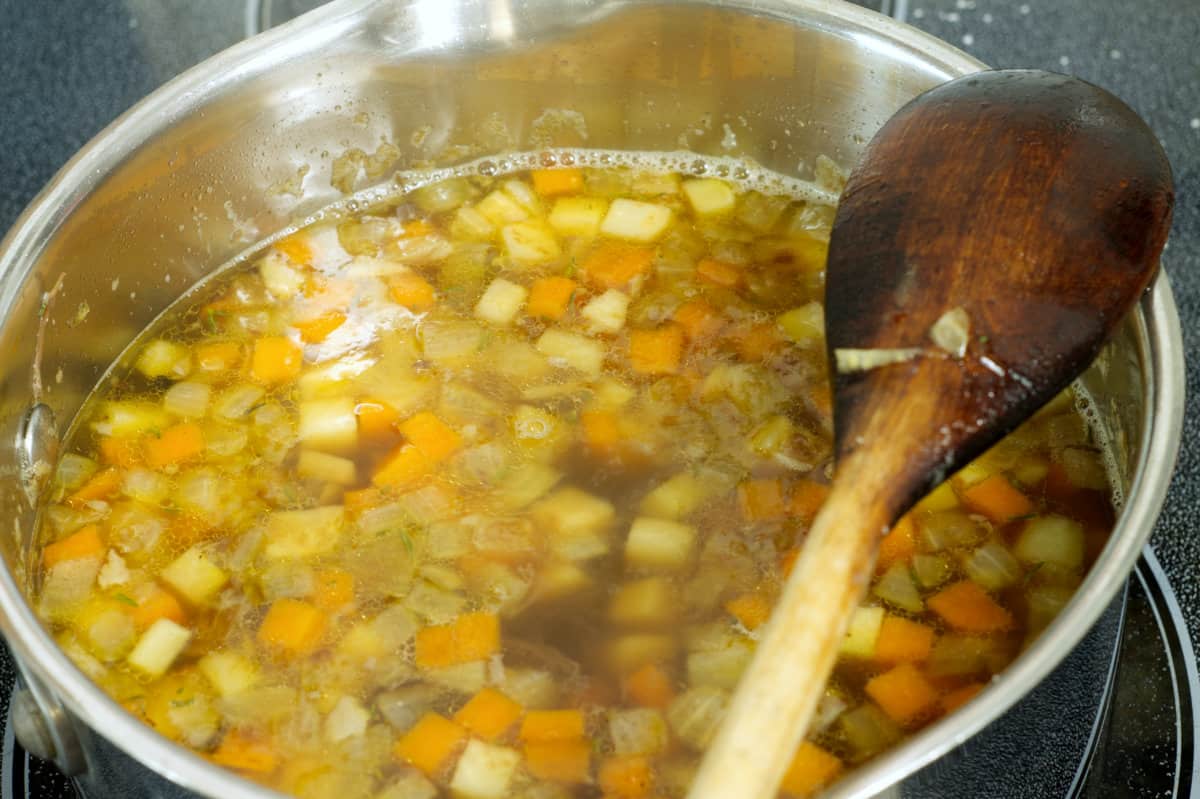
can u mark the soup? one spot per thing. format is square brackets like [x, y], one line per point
[487, 491]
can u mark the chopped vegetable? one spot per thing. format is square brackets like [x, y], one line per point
[967, 607]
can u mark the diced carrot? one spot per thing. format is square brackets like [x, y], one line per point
[903, 693]
[545, 726]
[102, 485]
[293, 626]
[158, 604]
[430, 743]
[431, 436]
[295, 248]
[217, 356]
[356, 501]
[898, 545]
[751, 609]
[698, 319]
[553, 182]
[761, 499]
[245, 754]
[650, 686]
[434, 647]
[470, 637]
[807, 498]
[376, 420]
[415, 228]
[901, 640]
[657, 351]
[314, 331]
[998, 499]
[561, 761]
[955, 699]
[177, 444]
[719, 273]
[811, 768]
[83, 543]
[612, 265]
[550, 296]
[412, 291]
[601, 433]
[275, 360]
[968, 608]
[333, 588]
[403, 466]
[489, 714]
[756, 342]
[628, 777]
[123, 451]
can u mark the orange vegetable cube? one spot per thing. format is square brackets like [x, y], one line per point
[102, 485]
[612, 265]
[549, 297]
[898, 545]
[434, 647]
[355, 502]
[812, 768]
[901, 640]
[412, 291]
[275, 360]
[601, 433]
[415, 228]
[245, 754]
[756, 342]
[431, 436]
[314, 331]
[656, 352]
[960, 696]
[296, 248]
[650, 686]
[998, 499]
[553, 182]
[430, 743]
[489, 714]
[698, 319]
[903, 693]
[177, 444]
[719, 273]
[472, 636]
[83, 543]
[376, 420]
[628, 777]
[333, 588]
[217, 356]
[761, 499]
[560, 761]
[965, 606]
[807, 498]
[403, 466]
[545, 726]
[158, 604]
[293, 626]
[751, 609]
[123, 451]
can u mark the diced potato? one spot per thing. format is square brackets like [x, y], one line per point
[709, 196]
[773, 436]
[637, 731]
[348, 719]
[501, 302]
[651, 602]
[1054, 540]
[863, 632]
[530, 243]
[329, 425]
[578, 216]
[229, 672]
[804, 324]
[630, 652]
[109, 631]
[676, 497]
[501, 209]
[158, 647]
[279, 277]
[573, 350]
[532, 688]
[897, 588]
[634, 220]
[695, 715]
[606, 313]
[720, 668]
[303, 533]
[559, 580]
[578, 523]
[465, 678]
[195, 576]
[187, 399]
[659, 545]
[162, 358]
[315, 465]
[523, 195]
[992, 566]
[484, 771]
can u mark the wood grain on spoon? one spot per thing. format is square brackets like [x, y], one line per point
[1036, 203]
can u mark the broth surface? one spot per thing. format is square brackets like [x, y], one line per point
[485, 491]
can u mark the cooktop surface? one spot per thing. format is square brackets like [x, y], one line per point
[1103, 725]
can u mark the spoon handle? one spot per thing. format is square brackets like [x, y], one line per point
[778, 693]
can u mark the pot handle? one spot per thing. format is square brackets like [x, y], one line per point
[42, 725]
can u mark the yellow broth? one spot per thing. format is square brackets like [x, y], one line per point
[487, 492]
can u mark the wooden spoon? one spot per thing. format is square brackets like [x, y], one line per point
[1035, 204]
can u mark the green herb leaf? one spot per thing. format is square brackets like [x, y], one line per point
[128, 600]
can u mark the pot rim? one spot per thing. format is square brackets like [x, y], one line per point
[1156, 321]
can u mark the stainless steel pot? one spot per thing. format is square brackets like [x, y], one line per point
[245, 143]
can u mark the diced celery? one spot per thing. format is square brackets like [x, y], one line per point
[530, 243]
[465, 678]
[637, 731]
[930, 570]
[1044, 603]
[501, 589]
[962, 655]
[435, 605]
[237, 401]
[303, 533]
[162, 358]
[754, 390]
[635, 220]
[501, 302]
[947, 529]
[73, 471]
[709, 196]
[695, 715]
[315, 465]
[109, 633]
[761, 212]
[720, 668]
[804, 324]
[578, 523]
[229, 672]
[578, 216]
[659, 545]
[651, 602]
[468, 223]
[772, 436]
[606, 313]
[501, 209]
[146, 486]
[158, 647]
[829, 708]
[484, 771]
[187, 399]
[867, 730]
[329, 424]
[445, 195]
[862, 633]
[896, 587]
[992, 566]
[279, 277]
[65, 586]
[195, 576]
[523, 195]
[1054, 540]
[571, 349]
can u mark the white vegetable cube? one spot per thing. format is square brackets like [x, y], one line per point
[1055, 540]
[659, 545]
[161, 358]
[675, 498]
[634, 220]
[578, 523]
[863, 632]
[470, 224]
[348, 719]
[606, 313]
[314, 465]
[187, 399]
[229, 672]
[194, 576]
[279, 276]
[530, 243]
[484, 771]
[806, 323]
[572, 350]
[329, 424]
[709, 196]
[501, 209]
[638, 731]
[303, 533]
[501, 302]
[720, 668]
[158, 647]
[651, 602]
[523, 195]
[578, 216]
[449, 341]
